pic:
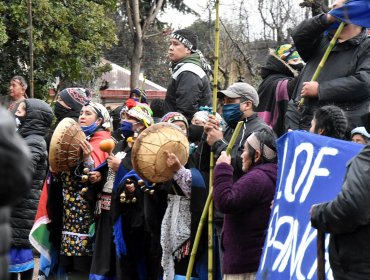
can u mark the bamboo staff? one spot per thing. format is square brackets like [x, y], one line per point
[211, 163]
[325, 57]
[142, 87]
[206, 207]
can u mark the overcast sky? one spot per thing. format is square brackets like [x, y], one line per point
[227, 13]
[226, 10]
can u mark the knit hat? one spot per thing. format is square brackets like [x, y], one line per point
[286, 52]
[173, 117]
[186, 37]
[102, 112]
[141, 95]
[243, 91]
[74, 97]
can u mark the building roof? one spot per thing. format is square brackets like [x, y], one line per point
[119, 79]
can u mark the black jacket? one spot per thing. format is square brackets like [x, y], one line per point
[189, 88]
[347, 219]
[14, 160]
[345, 79]
[38, 120]
[273, 93]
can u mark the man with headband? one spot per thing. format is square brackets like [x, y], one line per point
[17, 93]
[189, 87]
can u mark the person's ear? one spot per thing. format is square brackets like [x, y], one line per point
[99, 121]
[321, 131]
[257, 156]
[249, 105]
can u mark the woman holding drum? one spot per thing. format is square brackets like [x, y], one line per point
[74, 153]
[121, 208]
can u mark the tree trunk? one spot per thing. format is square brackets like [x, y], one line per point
[136, 59]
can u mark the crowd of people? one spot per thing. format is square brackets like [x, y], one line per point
[103, 223]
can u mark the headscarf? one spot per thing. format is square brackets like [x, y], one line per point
[102, 112]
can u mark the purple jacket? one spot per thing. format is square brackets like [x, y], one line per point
[246, 205]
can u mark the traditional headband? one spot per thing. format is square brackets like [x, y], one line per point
[183, 40]
[256, 144]
[95, 108]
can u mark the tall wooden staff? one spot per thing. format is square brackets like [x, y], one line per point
[211, 163]
[208, 207]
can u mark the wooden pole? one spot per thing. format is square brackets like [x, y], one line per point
[325, 57]
[30, 39]
[320, 255]
[211, 164]
[206, 208]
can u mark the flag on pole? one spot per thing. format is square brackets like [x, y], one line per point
[354, 12]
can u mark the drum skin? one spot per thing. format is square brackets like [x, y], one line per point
[65, 151]
[148, 152]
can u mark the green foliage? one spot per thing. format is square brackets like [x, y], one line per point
[68, 38]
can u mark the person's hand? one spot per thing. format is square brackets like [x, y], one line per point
[173, 162]
[310, 89]
[86, 148]
[224, 158]
[211, 124]
[94, 177]
[113, 162]
[213, 135]
[335, 5]
[311, 209]
[129, 187]
[330, 18]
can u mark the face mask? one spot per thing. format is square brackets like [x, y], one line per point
[19, 121]
[62, 112]
[127, 129]
[195, 133]
[90, 129]
[297, 67]
[231, 114]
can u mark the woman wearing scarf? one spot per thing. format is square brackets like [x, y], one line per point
[71, 201]
[119, 243]
[246, 204]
